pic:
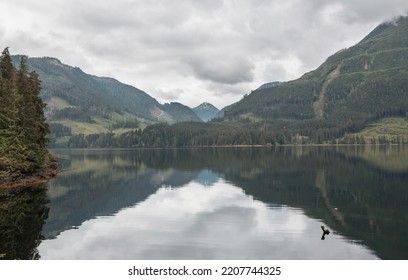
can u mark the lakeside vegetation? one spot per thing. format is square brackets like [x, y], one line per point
[23, 128]
[389, 131]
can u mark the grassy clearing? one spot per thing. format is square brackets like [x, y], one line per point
[57, 103]
[100, 126]
[83, 127]
[250, 117]
[392, 129]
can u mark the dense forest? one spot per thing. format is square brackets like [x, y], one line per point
[23, 128]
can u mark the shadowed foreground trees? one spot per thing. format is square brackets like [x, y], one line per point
[23, 130]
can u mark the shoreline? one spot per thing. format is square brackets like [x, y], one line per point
[230, 146]
[39, 177]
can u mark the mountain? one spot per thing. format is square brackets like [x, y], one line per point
[85, 103]
[180, 112]
[354, 92]
[221, 112]
[350, 90]
[205, 111]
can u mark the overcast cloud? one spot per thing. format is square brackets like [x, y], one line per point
[191, 51]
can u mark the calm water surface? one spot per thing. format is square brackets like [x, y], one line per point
[224, 203]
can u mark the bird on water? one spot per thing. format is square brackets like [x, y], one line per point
[325, 232]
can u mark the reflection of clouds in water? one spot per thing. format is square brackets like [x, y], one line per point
[197, 222]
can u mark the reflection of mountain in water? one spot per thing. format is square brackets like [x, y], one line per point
[372, 202]
[100, 183]
[357, 200]
[207, 177]
[201, 222]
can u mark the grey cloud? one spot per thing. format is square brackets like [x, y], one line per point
[229, 89]
[170, 95]
[377, 10]
[224, 70]
[133, 16]
[216, 48]
[2, 33]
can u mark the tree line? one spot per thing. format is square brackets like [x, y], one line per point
[192, 134]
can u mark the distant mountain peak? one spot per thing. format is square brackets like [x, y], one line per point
[206, 105]
[206, 111]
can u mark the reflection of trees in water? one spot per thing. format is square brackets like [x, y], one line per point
[371, 201]
[98, 183]
[355, 197]
[22, 215]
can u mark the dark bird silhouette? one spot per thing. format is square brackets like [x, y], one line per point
[325, 232]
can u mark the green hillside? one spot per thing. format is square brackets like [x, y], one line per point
[387, 130]
[83, 103]
[352, 89]
[180, 112]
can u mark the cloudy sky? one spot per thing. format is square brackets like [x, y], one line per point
[191, 51]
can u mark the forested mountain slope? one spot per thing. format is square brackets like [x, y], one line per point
[354, 87]
[87, 103]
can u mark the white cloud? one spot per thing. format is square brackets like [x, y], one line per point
[217, 50]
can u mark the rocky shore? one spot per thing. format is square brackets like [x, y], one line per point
[39, 177]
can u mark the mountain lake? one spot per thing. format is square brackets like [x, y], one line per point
[214, 203]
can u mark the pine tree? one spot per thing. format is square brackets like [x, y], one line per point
[23, 128]
[6, 90]
[11, 148]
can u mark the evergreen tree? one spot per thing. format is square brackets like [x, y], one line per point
[23, 129]
[11, 148]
